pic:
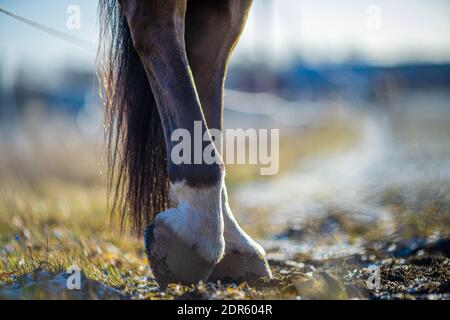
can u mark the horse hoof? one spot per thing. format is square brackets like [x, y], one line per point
[171, 259]
[238, 267]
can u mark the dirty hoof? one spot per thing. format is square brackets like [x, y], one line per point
[239, 267]
[171, 259]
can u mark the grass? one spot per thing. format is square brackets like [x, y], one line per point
[53, 211]
[67, 227]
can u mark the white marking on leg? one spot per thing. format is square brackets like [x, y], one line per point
[197, 219]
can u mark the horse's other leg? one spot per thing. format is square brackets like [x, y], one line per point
[184, 243]
[212, 30]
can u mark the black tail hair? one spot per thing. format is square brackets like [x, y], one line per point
[137, 168]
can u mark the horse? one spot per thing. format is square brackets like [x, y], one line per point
[163, 65]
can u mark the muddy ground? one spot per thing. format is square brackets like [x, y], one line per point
[396, 269]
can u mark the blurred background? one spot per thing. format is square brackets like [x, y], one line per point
[360, 91]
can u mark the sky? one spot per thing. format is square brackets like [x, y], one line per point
[380, 31]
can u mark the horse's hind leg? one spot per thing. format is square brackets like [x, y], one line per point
[184, 243]
[212, 30]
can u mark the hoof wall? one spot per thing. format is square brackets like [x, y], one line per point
[172, 260]
[239, 267]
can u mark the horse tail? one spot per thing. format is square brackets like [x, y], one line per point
[137, 179]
